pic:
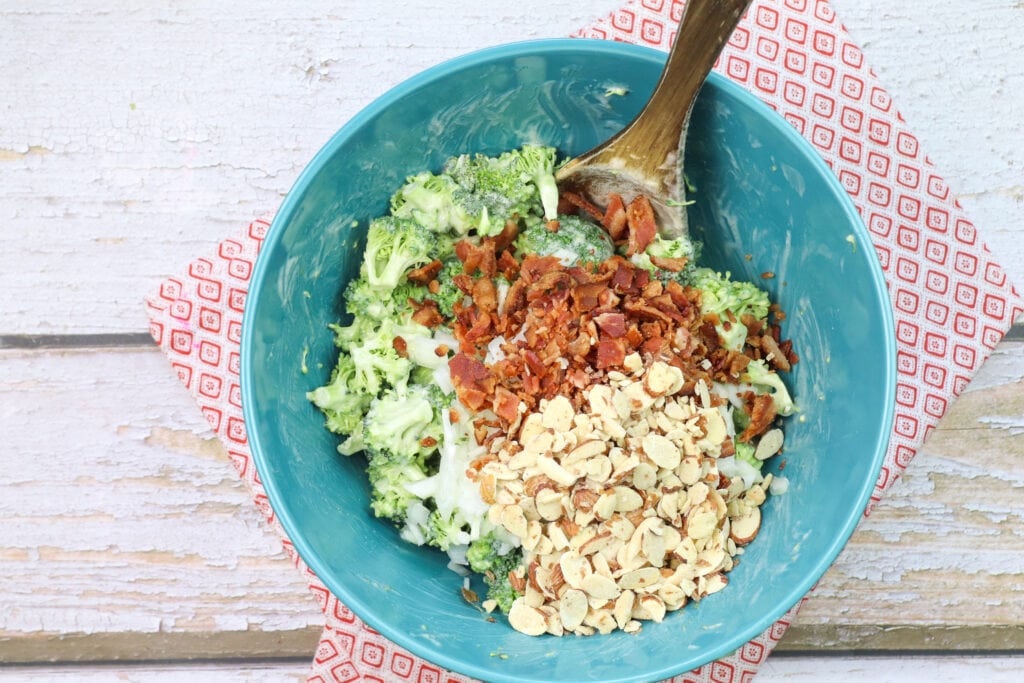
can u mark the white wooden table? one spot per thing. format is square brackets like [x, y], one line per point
[135, 135]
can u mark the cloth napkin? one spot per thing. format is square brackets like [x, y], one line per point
[951, 300]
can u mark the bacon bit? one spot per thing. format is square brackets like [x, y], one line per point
[428, 442]
[441, 350]
[778, 357]
[425, 274]
[642, 227]
[484, 295]
[467, 375]
[673, 265]
[767, 275]
[505, 405]
[427, 314]
[400, 347]
[464, 282]
[433, 286]
[614, 220]
[580, 202]
[552, 226]
[508, 266]
[762, 412]
[611, 323]
[453, 415]
[610, 353]
[476, 257]
[505, 238]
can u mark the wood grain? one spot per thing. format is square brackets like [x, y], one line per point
[778, 669]
[137, 169]
[128, 535]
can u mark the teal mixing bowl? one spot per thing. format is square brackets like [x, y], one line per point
[761, 191]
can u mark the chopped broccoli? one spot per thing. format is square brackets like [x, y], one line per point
[447, 293]
[403, 423]
[377, 364]
[389, 474]
[435, 202]
[538, 163]
[343, 402]
[494, 558]
[362, 299]
[393, 246]
[723, 296]
[575, 242]
[765, 381]
[745, 452]
[503, 186]
[445, 531]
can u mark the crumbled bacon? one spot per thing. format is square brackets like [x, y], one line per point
[565, 327]
[427, 313]
[580, 202]
[614, 220]
[400, 346]
[671, 264]
[762, 413]
[425, 274]
[642, 227]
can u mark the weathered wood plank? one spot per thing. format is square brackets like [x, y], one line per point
[778, 669]
[224, 103]
[127, 534]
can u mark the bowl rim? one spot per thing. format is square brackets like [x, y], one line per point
[440, 656]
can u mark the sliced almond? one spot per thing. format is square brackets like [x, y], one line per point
[640, 579]
[600, 587]
[572, 608]
[689, 470]
[649, 607]
[700, 523]
[575, 568]
[627, 499]
[769, 445]
[526, 619]
[558, 414]
[623, 610]
[744, 529]
[645, 476]
[549, 504]
[554, 471]
[513, 519]
[661, 451]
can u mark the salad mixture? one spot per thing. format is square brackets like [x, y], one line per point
[557, 396]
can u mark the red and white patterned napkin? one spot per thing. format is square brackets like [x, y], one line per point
[952, 301]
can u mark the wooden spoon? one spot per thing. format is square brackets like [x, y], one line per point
[646, 157]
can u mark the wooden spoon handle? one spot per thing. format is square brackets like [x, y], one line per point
[703, 31]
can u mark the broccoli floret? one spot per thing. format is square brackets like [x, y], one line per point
[343, 402]
[539, 164]
[499, 588]
[447, 293]
[445, 531]
[363, 299]
[393, 247]
[765, 381]
[389, 474]
[435, 202]
[518, 182]
[404, 424]
[575, 242]
[376, 362]
[723, 296]
[491, 556]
